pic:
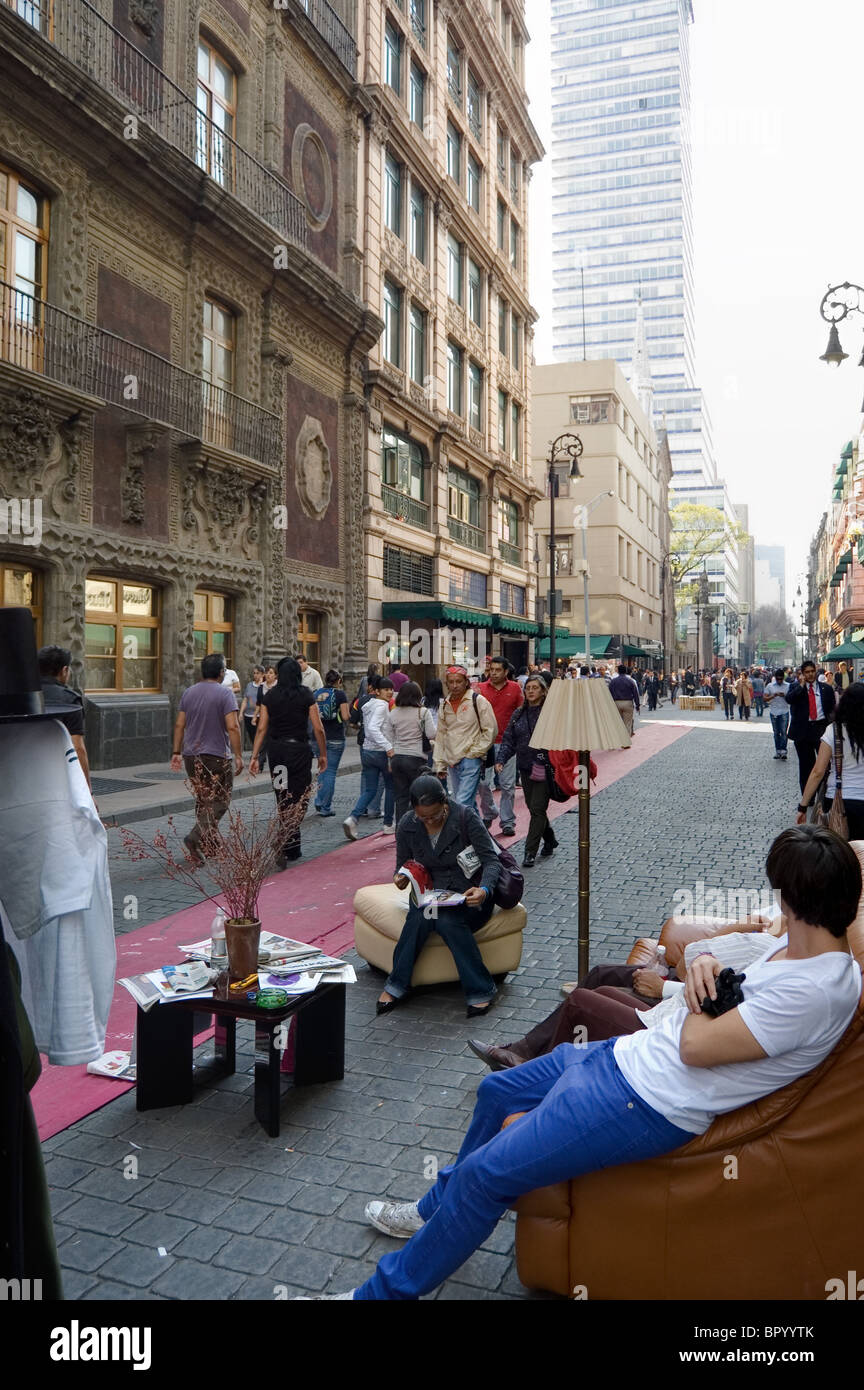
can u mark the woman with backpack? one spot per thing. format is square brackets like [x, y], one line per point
[532, 764]
[411, 729]
[333, 709]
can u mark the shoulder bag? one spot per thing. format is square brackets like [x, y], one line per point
[424, 737]
[511, 884]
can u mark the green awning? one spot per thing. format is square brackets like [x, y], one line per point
[507, 622]
[635, 651]
[438, 611]
[575, 646]
[847, 452]
[847, 651]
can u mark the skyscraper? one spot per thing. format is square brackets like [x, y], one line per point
[622, 190]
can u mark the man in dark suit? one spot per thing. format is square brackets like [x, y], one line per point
[811, 705]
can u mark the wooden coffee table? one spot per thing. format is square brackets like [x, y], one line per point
[164, 1042]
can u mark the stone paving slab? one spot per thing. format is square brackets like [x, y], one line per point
[243, 1216]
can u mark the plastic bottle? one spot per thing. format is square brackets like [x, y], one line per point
[661, 966]
[218, 944]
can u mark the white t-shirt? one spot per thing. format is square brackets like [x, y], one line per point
[777, 689]
[230, 678]
[853, 769]
[796, 1011]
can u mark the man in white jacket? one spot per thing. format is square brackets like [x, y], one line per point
[467, 730]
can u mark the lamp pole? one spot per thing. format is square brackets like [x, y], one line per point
[566, 448]
[837, 303]
[666, 573]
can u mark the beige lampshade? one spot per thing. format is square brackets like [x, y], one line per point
[579, 715]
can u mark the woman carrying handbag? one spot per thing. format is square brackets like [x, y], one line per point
[840, 763]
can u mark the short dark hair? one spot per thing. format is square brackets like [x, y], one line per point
[808, 661]
[501, 661]
[410, 694]
[332, 678]
[212, 666]
[427, 790]
[817, 875]
[778, 674]
[622, 670]
[52, 660]
[384, 683]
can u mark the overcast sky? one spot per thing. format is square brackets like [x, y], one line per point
[779, 169]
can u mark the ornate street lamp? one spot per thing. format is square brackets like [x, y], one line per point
[837, 302]
[566, 448]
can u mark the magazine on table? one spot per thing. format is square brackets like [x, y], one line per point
[421, 890]
[186, 981]
[277, 952]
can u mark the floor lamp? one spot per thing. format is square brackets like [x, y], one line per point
[581, 716]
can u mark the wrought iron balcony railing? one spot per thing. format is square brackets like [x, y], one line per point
[404, 508]
[101, 51]
[511, 553]
[336, 34]
[466, 534]
[41, 338]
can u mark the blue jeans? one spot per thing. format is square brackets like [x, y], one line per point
[780, 730]
[327, 780]
[507, 783]
[456, 926]
[374, 767]
[759, 702]
[582, 1115]
[465, 777]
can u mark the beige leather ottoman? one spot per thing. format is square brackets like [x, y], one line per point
[379, 915]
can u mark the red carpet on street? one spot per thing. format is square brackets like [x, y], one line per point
[311, 901]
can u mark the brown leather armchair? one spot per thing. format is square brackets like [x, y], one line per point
[765, 1205]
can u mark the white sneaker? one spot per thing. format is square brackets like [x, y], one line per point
[399, 1219]
[349, 825]
[324, 1297]
[388, 829]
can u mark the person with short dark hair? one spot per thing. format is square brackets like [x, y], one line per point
[374, 757]
[505, 696]
[334, 712]
[635, 1097]
[406, 725]
[625, 693]
[66, 705]
[309, 676]
[436, 831]
[778, 712]
[206, 733]
[286, 712]
[811, 706]
[249, 703]
[398, 676]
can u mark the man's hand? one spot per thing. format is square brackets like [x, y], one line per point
[648, 983]
[176, 762]
[475, 897]
[700, 981]
[499, 768]
[401, 881]
[238, 764]
[322, 762]
[254, 768]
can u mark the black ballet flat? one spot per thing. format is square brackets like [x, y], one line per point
[382, 1008]
[478, 1010]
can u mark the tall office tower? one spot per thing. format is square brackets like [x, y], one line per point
[622, 221]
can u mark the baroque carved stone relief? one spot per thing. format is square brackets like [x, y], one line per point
[305, 135]
[28, 440]
[313, 474]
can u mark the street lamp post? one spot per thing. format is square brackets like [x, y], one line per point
[837, 303]
[702, 594]
[567, 447]
[666, 573]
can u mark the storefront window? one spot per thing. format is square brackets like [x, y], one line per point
[214, 628]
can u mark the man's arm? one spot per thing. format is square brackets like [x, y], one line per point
[232, 724]
[177, 742]
[709, 1042]
[80, 749]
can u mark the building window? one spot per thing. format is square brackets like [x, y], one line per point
[515, 341]
[213, 629]
[216, 99]
[121, 635]
[23, 267]
[467, 586]
[508, 522]
[475, 107]
[406, 570]
[417, 96]
[561, 474]
[309, 637]
[515, 432]
[463, 497]
[515, 175]
[418, 20]
[501, 225]
[393, 57]
[475, 292]
[417, 229]
[622, 559]
[454, 153]
[475, 396]
[473, 188]
[36, 13]
[622, 482]
[402, 464]
[392, 323]
[514, 244]
[417, 345]
[512, 599]
[218, 345]
[454, 71]
[563, 554]
[503, 309]
[501, 153]
[21, 587]
[454, 378]
[393, 195]
[454, 269]
[503, 412]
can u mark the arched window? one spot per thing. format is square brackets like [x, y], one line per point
[23, 269]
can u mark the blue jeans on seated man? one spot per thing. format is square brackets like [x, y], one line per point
[582, 1115]
[327, 780]
[780, 730]
[465, 777]
[375, 767]
[456, 927]
[507, 783]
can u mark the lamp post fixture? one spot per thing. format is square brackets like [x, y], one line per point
[702, 595]
[566, 448]
[666, 573]
[838, 302]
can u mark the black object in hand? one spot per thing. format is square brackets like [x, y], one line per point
[729, 994]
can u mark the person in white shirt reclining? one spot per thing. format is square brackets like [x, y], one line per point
[637, 1097]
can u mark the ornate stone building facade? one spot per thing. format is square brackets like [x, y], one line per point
[183, 343]
[445, 164]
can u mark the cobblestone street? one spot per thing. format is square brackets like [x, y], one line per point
[219, 1210]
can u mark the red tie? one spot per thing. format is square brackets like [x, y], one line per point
[812, 697]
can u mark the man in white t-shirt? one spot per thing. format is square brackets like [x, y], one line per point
[637, 1097]
[232, 680]
[778, 712]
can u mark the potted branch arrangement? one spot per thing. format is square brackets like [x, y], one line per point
[240, 854]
